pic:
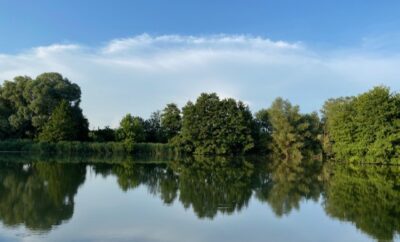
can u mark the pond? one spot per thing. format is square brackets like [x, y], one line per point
[196, 199]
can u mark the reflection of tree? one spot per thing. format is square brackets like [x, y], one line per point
[211, 185]
[208, 185]
[367, 196]
[158, 178]
[38, 195]
[284, 184]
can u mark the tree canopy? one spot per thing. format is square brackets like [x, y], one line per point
[294, 135]
[214, 126]
[364, 128]
[171, 120]
[27, 104]
[131, 129]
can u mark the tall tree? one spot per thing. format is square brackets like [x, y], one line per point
[131, 129]
[154, 132]
[293, 134]
[171, 120]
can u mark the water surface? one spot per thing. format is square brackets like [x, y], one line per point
[200, 199]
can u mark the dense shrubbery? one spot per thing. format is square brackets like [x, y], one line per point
[365, 128]
[76, 147]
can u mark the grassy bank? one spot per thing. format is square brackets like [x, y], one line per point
[73, 147]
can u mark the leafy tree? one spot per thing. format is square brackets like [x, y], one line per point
[20, 117]
[61, 125]
[214, 126]
[154, 132]
[171, 120]
[32, 102]
[5, 112]
[336, 118]
[262, 131]
[364, 128]
[294, 135]
[131, 129]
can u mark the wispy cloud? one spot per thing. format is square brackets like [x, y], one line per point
[143, 73]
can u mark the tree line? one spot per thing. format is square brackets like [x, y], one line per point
[360, 128]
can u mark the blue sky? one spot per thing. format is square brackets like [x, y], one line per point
[24, 24]
[136, 56]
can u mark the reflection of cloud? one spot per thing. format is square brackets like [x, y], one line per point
[143, 73]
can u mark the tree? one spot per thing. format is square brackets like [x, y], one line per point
[293, 134]
[214, 126]
[154, 132]
[131, 129]
[61, 125]
[5, 111]
[32, 102]
[102, 135]
[262, 131]
[365, 128]
[171, 120]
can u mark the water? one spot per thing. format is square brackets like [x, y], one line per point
[197, 200]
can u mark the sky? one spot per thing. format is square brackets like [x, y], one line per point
[137, 56]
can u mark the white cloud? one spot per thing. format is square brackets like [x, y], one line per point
[141, 74]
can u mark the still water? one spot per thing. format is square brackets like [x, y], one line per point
[197, 199]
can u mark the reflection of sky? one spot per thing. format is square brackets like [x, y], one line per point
[103, 212]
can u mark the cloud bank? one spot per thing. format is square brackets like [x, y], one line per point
[143, 73]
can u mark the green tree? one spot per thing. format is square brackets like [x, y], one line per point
[154, 132]
[32, 102]
[364, 128]
[262, 131]
[5, 112]
[214, 126]
[294, 135]
[102, 135]
[61, 125]
[171, 121]
[131, 129]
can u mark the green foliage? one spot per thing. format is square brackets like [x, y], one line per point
[5, 112]
[214, 126]
[60, 126]
[262, 131]
[102, 135]
[31, 102]
[365, 128]
[131, 129]
[294, 135]
[171, 120]
[87, 148]
[154, 132]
